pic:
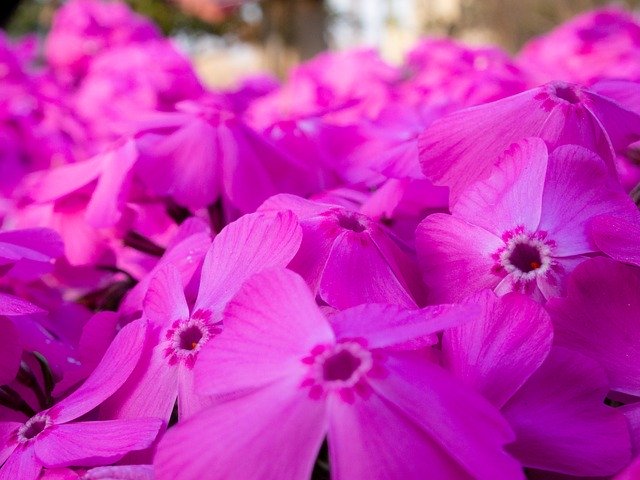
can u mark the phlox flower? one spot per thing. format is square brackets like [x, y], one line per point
[178, 333]
[447, 74]
[552, 397]
[113, 95]
[463, 147]
[52, 439]
[361, 90]
[603, 43]
[524, 228]
[600, 317]
[283, 377]
[204, 151]
[82, 29]
[349, 259]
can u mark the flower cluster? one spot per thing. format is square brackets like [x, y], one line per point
[369, 271]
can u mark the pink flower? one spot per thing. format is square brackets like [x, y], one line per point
[178, 333]
[448, 74]
[284, 376]
[83, 28]
[113, 95]
[600, 317]
[51, 438]
[463, 147]
[604, 43]
[349, 259]
[524, 228]
[552, 397]
[203, 152]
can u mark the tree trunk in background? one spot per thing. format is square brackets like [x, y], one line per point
[293, 30]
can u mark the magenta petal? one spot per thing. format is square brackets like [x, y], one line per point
[61, 181]
[463, 147]
[498, 351]
[473, 433]
[562, 423]
[313, 253]
[302, 207]
[600, 318]
[252, 243]
[270, 326]
[34, 244]
[392, 325]
[105, 207]
[22, 465]
[617, 237]
[455, 257]
[620, 120]
[632, 472]
[184, 164]
[189, 402]
[577, 188]
[8, 442]
[113, 370]
[165, 302]
[95, 443]
[512, 195]
[150, 390]
[358, 451]
[120, 472]
[186, 256]
[10, 352]
[272, 434]
[14, 306]
[356, 272]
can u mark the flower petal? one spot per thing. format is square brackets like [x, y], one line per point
[94, 443]
[618, 237]
[252, 243]
[270, 326]
[578, 187]
[274, 433]
[391, 325]
[455, 258]
[22, 464]
[512, 195]
[600, 318]
[165, 302]
[461, 148]
[474, 432]
[10, 352]
[120, 472]
[496, 352]
[562, 423]
[356, 272]
[150, 390]
[113, 370]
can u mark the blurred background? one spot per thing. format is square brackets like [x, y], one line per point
[229, 39]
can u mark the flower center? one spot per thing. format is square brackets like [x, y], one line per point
[33, 427]
[567, 93]
[351, 221]
[190, 337]
[525, 255]
[342, 368]
[186, 338]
